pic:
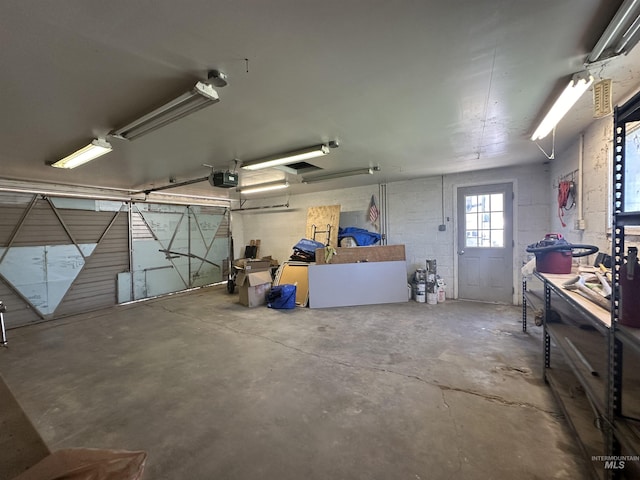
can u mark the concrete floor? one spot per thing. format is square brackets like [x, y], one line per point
[214, 390]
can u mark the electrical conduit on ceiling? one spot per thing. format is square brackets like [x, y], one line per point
[580, 198]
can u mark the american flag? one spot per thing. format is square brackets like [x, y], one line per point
[374, 213]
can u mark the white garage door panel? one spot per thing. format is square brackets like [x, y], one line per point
[177, 247]
[58, 256]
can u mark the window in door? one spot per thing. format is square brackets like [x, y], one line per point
[484, 220]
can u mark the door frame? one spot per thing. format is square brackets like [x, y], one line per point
[456, 247]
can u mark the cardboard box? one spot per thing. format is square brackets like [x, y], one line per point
[274, 262]
[253, 287]
[249, 265]
[257, 266]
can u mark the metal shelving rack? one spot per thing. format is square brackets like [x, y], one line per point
[622, 434]
[577, 331]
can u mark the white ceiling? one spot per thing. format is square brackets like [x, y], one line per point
[418, 88]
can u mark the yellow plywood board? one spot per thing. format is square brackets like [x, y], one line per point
[295, 274]
[323, 217]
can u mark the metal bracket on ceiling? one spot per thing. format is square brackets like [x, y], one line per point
[552, 155]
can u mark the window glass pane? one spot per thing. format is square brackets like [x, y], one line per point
[497, 221]
[497, 204]
[485, 238]
[497, 238]
[471, 203]
[632, 168]
[471, 221]
[484, 203]
[484, 221]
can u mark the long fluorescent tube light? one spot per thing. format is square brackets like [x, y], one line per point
[347, 173]
[95, 149]
[265, 187]
[621, 35]
[202, 95]
[67, 190]
[290, 157]
[580, 83]
[629, 39]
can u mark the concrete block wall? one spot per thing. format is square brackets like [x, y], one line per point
[597, 155]
[530, 209]
[280, 229]
[415, 210]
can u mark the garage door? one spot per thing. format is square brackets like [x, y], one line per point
[177, 247]
[59, 256]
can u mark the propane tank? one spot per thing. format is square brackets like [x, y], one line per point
[630, 290]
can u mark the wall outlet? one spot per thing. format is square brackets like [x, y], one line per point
[442, 228]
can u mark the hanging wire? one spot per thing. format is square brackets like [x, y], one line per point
[553, 146]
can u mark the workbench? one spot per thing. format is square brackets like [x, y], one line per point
[577, 369]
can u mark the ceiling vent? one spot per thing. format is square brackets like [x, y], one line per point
[298, 168]
[602, 105]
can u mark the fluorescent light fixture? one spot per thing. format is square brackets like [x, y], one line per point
[347, 173]
[263, 187]
[290, 157]
[621, 35]
[202, 95]
[580, 83]
[94, 150]
[67, 190]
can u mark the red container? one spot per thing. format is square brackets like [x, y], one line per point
[558, 261]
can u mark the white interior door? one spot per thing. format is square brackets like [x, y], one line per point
[485, 243]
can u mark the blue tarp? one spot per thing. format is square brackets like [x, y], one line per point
[308, 246]
[360, 235]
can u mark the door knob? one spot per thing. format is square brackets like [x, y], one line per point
[460, 252]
